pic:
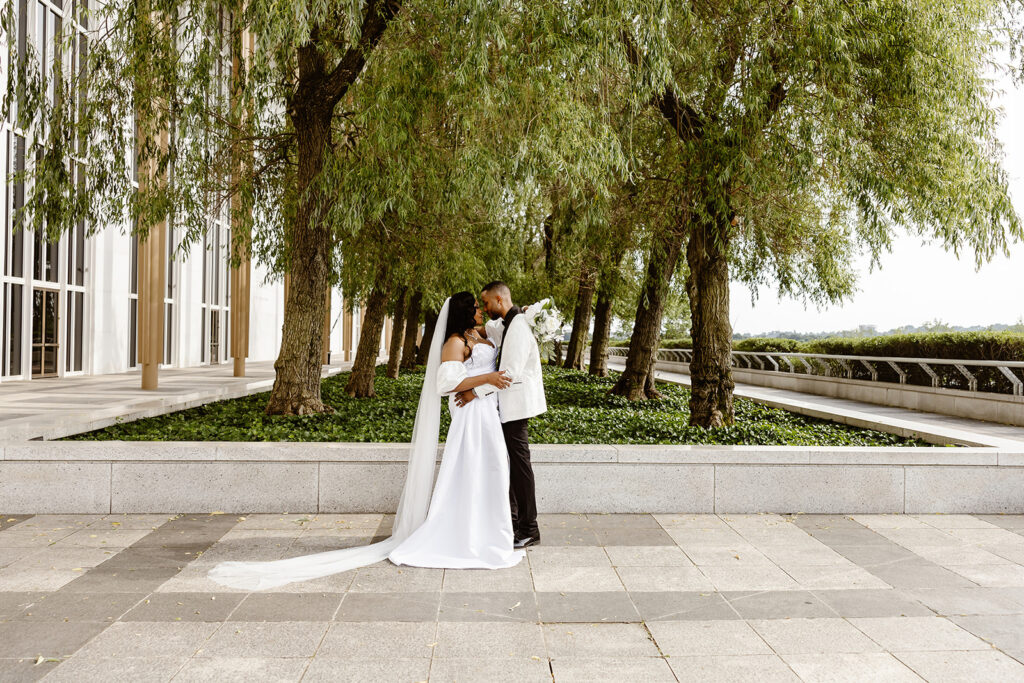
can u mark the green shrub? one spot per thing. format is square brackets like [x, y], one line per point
[772, 344]
[580, 410]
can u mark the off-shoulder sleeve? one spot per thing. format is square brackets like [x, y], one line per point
[450, 375]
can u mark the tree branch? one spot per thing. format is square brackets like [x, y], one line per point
[378, 15]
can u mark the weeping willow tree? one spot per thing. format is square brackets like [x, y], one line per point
[283, 111]
[813, 129]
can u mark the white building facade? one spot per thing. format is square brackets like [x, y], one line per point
[70, 308]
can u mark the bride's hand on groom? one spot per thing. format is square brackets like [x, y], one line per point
[500, 380]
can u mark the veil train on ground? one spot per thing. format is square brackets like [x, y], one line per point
[412, 506]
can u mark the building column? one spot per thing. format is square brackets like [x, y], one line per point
[152, 267]
[326, 337]
[346, 332]
[241, 239]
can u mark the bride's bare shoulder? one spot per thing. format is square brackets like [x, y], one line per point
[454, 349]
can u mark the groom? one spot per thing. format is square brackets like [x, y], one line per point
[519, 357]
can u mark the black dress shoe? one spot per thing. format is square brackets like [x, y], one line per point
[526, 541]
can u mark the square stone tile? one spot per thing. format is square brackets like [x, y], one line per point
[984, 536]
[248, 550]
[836, 577]
[210, 607]
[1006, 632]
[15, 579]
[1013, 553]
[918, 634]
[155, 669]
[963, 666]
[14, 603]
[11, 555]
[818, 556]
[629, 536]
[488, 639]
[389, 607]
[612, 669]
[731, 668]
[749, 578]
[690, 638]
[890, 521]
[288, 607]
[564, 520]
[576, 579]
[948, 556]
[835, 537]
[916, 538]
[243, 669]
[105, 538]
[650, 579]
[738, 555]
[53, 522]
[116, 579]
[265, 639]
[851, 667]
[778, 605]
[477, 606]
[683, 606]
[647, 556]
[622, 521]
[872, 603]
[64, 557]
[25, 669]
[133, 521]
[576, 556]
[969, 601]
[380, 640]
[47, 639]
[512, 579]
[813, 636]
[1003, 521]
[487, 670]
[688, 537]
[670, 521]
[919, 574]
[874, 555]
[149, 639]
[560, 537]
[71, 607]
[955, 522]
[614, 606]
[992, 575]
[396, 579]
[598, 640]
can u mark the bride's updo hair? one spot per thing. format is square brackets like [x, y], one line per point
[461, 314]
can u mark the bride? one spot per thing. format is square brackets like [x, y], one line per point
[467, 523]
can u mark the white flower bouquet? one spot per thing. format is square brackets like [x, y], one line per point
[546, 324]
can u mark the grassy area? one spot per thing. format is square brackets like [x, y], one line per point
[580, 410]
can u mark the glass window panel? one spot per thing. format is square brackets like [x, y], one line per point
[79, 327]
[134, 256]
[132, 333]
[3, 330]
[18, 235]
[168, 332]
[50, 321]
[37, 318]
[14, 331]
[68, 318]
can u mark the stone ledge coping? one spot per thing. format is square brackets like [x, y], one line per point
[318, 452]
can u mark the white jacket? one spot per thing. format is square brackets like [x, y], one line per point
[520, 359]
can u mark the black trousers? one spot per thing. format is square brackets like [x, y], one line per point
[521, 494]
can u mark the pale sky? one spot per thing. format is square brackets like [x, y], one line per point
[917, 283]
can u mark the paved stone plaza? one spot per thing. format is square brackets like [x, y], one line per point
[606, 597]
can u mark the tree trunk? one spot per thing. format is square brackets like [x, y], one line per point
[429, 323]
[643, 345]
[397, 327]
[296, 388]
[412, 327]
[360, 382]
[556, 352]
[602, 332]
[580, 324]
[708, 288]
[606, 290]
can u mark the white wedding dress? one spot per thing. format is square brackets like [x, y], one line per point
[470, 519]
[469, 524]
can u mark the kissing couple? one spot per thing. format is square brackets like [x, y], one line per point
[483, 511]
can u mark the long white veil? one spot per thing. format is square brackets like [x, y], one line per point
[412, 506]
